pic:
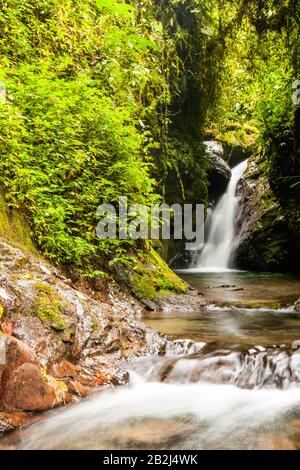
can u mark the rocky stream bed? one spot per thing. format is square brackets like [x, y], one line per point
[61, 341]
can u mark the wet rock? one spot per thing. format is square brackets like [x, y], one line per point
[72, 375]
[152, 433]
[297, 306]
[183, 346]
[185, 259]
[77, 388]
[236, 152]
[296, 344]
[18, 353]
[93, 374]
[69, 336]
[149, 304]
[48, 344]
[273, 442]
[263, 240]
[7, 327]
[294, 432]
[23, 386]
[220, 173]
[250, 368]
[11, 421]
[26, 389]
[223, 286]
[57, 320]
[64, 369]
[190, 302]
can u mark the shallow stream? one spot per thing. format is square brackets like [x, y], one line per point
[237, 386]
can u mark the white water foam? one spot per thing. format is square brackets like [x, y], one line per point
[217, 252]
[224, 416]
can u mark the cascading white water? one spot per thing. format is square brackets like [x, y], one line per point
[217, 252]
[209, 416]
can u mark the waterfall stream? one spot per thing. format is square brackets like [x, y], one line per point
[235, 384]
[210, 400]
[218, 250]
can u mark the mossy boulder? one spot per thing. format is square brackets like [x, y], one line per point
[150, 277]
[238, 141]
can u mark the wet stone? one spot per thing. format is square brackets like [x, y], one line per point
[152, 433]
[274, 442]
[11, 421]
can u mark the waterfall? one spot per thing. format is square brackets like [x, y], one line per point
[218, 249]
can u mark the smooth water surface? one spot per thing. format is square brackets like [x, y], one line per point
[245, 288]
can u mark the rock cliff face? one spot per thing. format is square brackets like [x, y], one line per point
[59, 340]
[263, 240]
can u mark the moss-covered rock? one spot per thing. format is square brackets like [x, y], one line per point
[13, 227]
[48, 313]
[49, 306]
[264, 239]
[238, 141]
[150, 277]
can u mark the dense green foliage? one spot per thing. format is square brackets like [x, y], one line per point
[109, 98]
[93, 89]
[71, 128]
[263, 61]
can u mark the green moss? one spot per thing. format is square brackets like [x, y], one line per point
[14, 228]
[49, 306]
[24, 275]
[238, 135]
[152, 277]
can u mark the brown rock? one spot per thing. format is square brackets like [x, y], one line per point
[64, 369]
[273, 442]
[69, 398]
[77, 388]
[46, 342]
[7, 327]
[17, 353]
[11, 421]
[152, 432]
[294, 427]
[25, 389]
